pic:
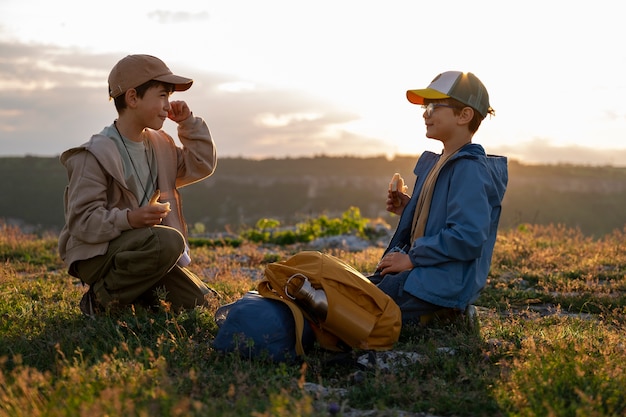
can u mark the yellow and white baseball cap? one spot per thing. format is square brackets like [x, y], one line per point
[461, 86]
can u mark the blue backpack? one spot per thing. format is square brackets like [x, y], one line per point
[258, 327]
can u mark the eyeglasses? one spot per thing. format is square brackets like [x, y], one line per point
[430, 107]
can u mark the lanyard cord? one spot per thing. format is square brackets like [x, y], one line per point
[145, 191]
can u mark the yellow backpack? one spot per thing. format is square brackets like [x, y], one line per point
[358, 314]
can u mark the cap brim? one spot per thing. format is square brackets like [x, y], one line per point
[180, 83]
[418, 96]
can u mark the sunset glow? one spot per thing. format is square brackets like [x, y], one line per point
[325, 76]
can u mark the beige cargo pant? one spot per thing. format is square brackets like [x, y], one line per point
[137, 264]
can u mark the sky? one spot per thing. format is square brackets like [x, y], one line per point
[289, 78]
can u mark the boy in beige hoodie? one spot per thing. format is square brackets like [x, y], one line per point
[124, 233]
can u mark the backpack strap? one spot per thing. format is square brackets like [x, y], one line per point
[265, 290]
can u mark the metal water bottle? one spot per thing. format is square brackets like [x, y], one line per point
[299, 289]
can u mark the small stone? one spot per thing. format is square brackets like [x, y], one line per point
[333, 408]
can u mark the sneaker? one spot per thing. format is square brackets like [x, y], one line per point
[471, 317]
[471, 313]
[89, 305]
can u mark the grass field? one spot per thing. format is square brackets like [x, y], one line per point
[550, 342]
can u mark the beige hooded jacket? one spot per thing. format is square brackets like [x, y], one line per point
[97, 198]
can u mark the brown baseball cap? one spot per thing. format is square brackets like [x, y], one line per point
[134, 70]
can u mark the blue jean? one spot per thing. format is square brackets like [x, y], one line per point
[414, 310]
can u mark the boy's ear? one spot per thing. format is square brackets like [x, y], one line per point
[131, 97]
[466, 115]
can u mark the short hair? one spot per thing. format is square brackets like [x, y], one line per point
[120, 101]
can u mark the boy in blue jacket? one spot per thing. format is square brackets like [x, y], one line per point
[439, 256]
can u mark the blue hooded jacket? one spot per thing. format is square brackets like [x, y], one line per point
[453, 258]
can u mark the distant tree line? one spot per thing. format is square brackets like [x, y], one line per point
[290, 190]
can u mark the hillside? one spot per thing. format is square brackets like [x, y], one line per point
[242, 190]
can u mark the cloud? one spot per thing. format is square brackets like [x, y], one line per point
[54, 98]
[48, 96]
[542, 151]
[260, 121]
[165, 17]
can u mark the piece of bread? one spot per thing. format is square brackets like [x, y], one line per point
[155, 197]
[154, 200]
[397, 186]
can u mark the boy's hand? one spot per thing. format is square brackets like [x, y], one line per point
[179, 111]
[149, 215]
[394, 262]
[404, 200]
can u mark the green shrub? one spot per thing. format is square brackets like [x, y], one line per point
[271, 231]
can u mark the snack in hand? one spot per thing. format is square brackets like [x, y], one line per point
[155, 197]
[154, 200]
[397, 186]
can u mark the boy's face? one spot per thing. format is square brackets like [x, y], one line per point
[152, 109]
[440, 120]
